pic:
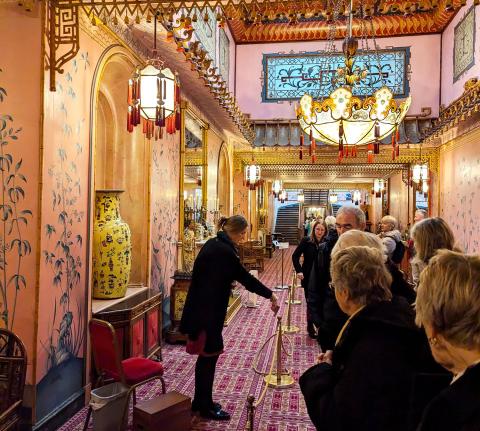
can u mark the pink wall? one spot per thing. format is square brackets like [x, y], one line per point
[459, 190]
[452, 90]
[20, 79]
[424, 85]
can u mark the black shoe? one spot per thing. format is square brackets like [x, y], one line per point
[217, 406]
[216, 415]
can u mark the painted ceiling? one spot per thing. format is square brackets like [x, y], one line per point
[275, 21]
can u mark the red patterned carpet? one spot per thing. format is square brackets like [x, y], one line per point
[281, 409]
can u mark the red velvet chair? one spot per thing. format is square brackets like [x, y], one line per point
[131, 372]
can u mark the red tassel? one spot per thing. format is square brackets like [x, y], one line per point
[376, 148]
[129, 119]
[397, 136]
[393, 153]
[314, 158]
[340, 145]
[370, 157]
[177, 93]
[346, 150]
[398, 150]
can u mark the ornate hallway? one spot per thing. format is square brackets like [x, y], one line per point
[281, 410]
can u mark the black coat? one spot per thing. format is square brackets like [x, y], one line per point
[215, 268]
[375, 365]
[321, 303]
[308, 248]
[457, 407]
[400, 286]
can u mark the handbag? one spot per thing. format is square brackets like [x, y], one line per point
[196, 347]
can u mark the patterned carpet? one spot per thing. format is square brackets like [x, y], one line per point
[281, 409]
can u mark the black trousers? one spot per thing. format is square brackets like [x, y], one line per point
[204, 376]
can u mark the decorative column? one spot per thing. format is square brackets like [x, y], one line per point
[205, 166]
[181, 203]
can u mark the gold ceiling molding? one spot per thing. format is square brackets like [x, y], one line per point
[459, 111]
[289, 156]
[324, 186]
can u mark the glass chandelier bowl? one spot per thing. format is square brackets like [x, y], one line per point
[345, 119]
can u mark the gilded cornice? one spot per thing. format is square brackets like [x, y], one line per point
[332, 185]
[282, 157]
[458, 114]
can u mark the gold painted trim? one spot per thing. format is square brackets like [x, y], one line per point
[205, 165]
[181, 178]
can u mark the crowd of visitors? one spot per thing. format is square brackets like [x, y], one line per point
[396, 354]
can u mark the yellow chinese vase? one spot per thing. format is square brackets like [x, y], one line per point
[112, 247]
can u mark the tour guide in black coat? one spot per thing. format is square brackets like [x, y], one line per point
[215, 268]
[375, 365]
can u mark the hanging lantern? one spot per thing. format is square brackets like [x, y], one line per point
[357, 197]
[333, 198]
[425, 188]
[378, 187]
[419, 172]
[153, 99]
[252, 176]
[301, 197]
[277, 186]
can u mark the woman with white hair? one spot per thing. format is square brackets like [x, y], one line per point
[399, 286]
[448, 307]
[366, 382]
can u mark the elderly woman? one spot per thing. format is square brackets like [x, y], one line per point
[391, 237]
[399, 286]
[448, 307]
[429, 235]
[366, 382]
[308, 248]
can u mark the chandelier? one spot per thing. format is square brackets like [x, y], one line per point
[378, 187]
[154, 97]
[333, 198]
[345, 120]
[282, 196]
[277, 186]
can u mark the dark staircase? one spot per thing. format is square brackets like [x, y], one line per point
[287, 223]
[316, 197]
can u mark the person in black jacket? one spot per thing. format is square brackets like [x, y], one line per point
[366, 382]
[308, 247]
[215, 268]
[323, 307]
[448, 307]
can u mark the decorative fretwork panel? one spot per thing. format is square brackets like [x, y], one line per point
[290, 76]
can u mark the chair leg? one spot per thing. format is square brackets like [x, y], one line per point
[163, 384]
[87, 419]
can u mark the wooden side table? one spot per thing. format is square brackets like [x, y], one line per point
[138, 324]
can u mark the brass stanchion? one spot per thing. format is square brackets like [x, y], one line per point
[251, 413]
[289, 328]
[291, 299]
[279, 379]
